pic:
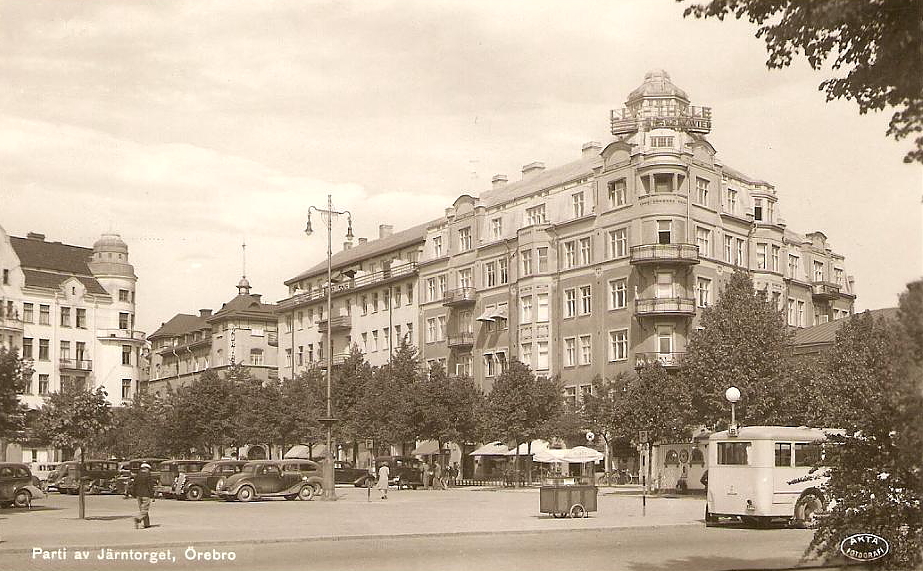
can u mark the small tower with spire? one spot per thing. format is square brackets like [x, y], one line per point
[243, 286]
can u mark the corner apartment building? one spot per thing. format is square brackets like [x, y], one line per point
[244, 331]
[374, 302]
[598, 265]
[70, 311]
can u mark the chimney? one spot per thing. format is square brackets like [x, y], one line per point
[256, 297]
[363, 241]
[591, 149]
[532, 169]
[499, 181]
[35, 236]
[385, 230]
[347, 245]
[205, 313]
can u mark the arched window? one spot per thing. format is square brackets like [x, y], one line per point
[697, 457]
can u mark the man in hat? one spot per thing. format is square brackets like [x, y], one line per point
[142, 487]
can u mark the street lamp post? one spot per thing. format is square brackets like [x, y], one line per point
[732, 395]
[328, 215]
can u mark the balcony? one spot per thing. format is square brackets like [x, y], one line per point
[823, 291]
[676, 306]
[666, 360]
[338, 323]
[272, 338]
[463, 340]
[460, 296]
[338, 359]
[686, 254]
[10, 323]
[75, 365]
[120, 334]
[350, 284]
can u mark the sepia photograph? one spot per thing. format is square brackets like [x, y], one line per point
[397, 285]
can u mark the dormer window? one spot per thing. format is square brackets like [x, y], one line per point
[662, 142]
[758, 209]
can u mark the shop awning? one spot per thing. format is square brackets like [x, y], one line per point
[537, 446]
[576, 455]
[494, 448]
[426, 448]
[302, 451]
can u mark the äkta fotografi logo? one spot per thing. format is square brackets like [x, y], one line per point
[864, 547]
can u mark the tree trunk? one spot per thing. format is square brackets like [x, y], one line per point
[516, 471]
[529, 472]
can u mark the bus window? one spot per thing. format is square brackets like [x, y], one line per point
[783, 454]
[733, 453]
[807, 454]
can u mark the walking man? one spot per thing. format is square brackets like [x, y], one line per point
[438, 484]
[142, 487]
[384, 474]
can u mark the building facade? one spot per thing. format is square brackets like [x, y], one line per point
[70, 312]
[596, 266]
[243, 332]
[375, 304]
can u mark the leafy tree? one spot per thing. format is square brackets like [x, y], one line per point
[349, 382]
[384, 411]
[653, 400]
[72, 418]
[522, 407]
[876, 469]
[259, 411]
[877, 42]
[205, 413]
[140, 429]
[742, 344]
[299, 409]
[14, 375]
[446, 409]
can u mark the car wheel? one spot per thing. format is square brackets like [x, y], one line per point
[306, 493]
[246, 494]
[807, 508]
[22, 498]
[194, 493]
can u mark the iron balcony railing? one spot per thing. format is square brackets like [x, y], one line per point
[76, 364]
[665, 253]
[665, 306]
[823, 290]
[373, 278]
[460, 296]
[338, 323]
[120, 334]
[463, 339]
[667, 360]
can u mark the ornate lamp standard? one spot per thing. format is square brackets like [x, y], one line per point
[328, 215]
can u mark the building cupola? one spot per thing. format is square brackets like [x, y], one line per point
[659, 104]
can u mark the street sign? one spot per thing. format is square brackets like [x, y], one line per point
[590, 436]
[369, 444]
[643, 436]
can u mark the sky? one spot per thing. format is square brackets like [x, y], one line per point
[191, 127]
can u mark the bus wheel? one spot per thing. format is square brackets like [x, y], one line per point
[806, 510]
[710, 520]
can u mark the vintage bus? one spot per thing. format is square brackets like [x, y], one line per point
[763, 473]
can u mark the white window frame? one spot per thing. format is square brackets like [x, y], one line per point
[586, 349]
[570, 351]
[618, 293]
[578, 204]
[570, 302]
[618, 345]
[525, 309]
[541, 307]
[703, 291]
[526, 257]
[586, 300]
[618, 243]
[701, 191]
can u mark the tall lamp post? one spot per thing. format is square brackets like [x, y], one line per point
[328, 214]
[732, 395]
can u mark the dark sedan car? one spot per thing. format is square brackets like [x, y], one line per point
[170, 471]
[290, 479]
[405, 471]
[195, 486]
[97, 476]
[16, 485]
[129, 469]
[345, 473]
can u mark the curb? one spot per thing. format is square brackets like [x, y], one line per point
[169, 544]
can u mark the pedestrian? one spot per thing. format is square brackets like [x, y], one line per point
[384, 475]
[142, 487]
[425, 473]
[438, 484]
[453, 476]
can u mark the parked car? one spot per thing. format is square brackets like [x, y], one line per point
[291, 479]
[129, 469]
[97, 475]
[345, 473]
[198, 485]
[44, 471]
[170, 471]
[405, 471]
[16, 485]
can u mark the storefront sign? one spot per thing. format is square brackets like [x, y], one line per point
[864, 547]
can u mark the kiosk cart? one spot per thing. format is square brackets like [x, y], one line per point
[565, 496]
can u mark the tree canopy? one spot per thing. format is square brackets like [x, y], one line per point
[741, 343]
[14, 375]
[74, 417]
[877, 43]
